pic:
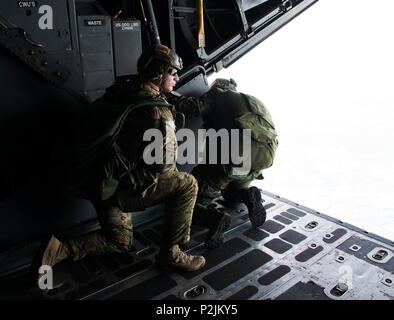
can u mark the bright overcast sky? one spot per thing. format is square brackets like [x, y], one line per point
[328, 80]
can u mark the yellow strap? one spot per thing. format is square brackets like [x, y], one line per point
[201, 32]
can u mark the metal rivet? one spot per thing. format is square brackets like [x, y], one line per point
[355, 247]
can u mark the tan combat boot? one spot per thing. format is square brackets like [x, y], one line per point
[173, 259]
[51, 252]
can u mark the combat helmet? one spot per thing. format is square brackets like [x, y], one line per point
[155, 61]
[224, 84]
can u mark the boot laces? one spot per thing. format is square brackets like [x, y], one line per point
[182, 257]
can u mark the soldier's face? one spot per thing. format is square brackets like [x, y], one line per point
[170, 80]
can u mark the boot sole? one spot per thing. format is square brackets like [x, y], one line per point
[257, 213]
[216, 239]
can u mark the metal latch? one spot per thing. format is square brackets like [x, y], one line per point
[339, 290]
[286, 5]
[312, 225]
[380, 255]
[195, 292]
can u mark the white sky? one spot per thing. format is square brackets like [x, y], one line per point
[327, 79]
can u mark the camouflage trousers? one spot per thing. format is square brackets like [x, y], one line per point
[178, 191]
[213, 178]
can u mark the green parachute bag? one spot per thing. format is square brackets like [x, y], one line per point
[95, 171]
[258, 120]
[242, 111]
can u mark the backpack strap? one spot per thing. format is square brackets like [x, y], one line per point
[152, 103]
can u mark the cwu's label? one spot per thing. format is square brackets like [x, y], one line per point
[26, 4]
[94, 22]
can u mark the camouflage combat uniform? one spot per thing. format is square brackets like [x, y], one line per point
[110, 169]
[156, 183]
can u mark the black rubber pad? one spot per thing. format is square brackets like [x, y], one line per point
[124, 258]
[278, 246]
[108, 262]
[79, 274]
[289, 215]
[85, 290]
[137, 236]
[292, 236]
[256, 234]
[304, 291]
[152, 236]
[237, 269]
[274, 275]
[269, 205]
[298, 213]
[338, 233]
[308, 253]
[244, 293]
[272, 226]
[215, 256]
[147, 289]
[283, 220]
[128, 271]
[92, 264]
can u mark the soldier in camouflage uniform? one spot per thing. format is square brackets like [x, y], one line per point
[130, 184]
[237, 111]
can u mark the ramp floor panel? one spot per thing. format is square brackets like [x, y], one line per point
[297, 254]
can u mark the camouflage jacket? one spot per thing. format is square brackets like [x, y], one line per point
[102, 164]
